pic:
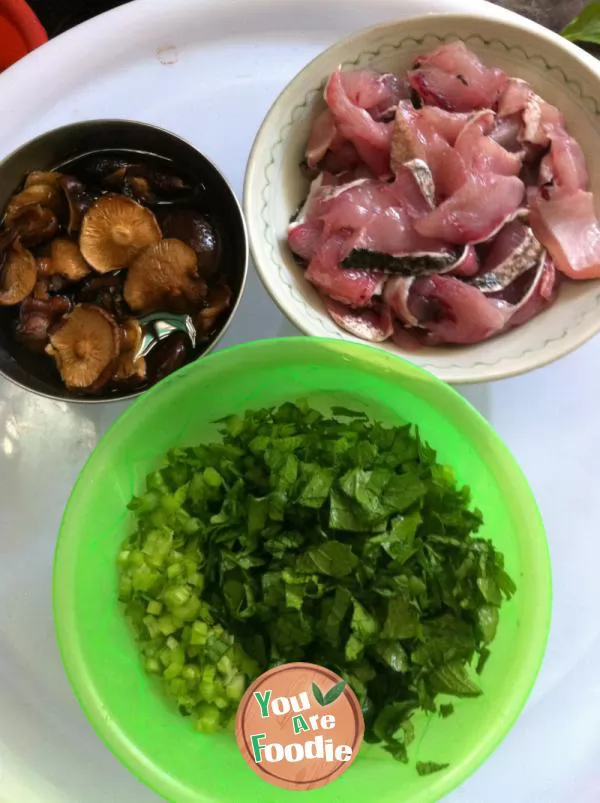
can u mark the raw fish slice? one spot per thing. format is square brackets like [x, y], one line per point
[515, 251]
[320, 190]
[382, 212]
[341, 157]
[447, 124]
[353, 287]
[398, 89]
[538, 118]
[467, 263]
[322, 134]
[542, 294]
[568, 228]
[305, 238]
[475, 212]
[392, 231]
[396, 294]
[453, 78]
[378, 93]
[406, 339]
[506, 133]
[368, 325]
[514, 98]
[536, 113]
[409, 136]
[414, 187]
[480, 153]
[414, 138]
[456, 312]
[371, 139]
[564, 165]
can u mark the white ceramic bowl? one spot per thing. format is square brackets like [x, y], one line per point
[274, 186]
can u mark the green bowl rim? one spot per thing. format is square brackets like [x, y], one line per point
[63, 611]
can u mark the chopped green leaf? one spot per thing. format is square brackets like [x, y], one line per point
[453, 678]
[297, 536]
[429, 767]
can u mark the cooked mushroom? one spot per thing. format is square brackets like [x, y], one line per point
[98, 165]
[79, 201]
[44, 195]
[36, 317]
[51, 178]
[198, 232]
[219, 299]
[168, 355]
[143, 178]
[128, 367]
[104, 291]
[163, 277]
[33, 225]
[114, 231]
[85, 346]
[41, 291]
[134, 186]
[65, 260]
[19, 275]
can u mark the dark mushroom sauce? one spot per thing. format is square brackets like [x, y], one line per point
[53, 206]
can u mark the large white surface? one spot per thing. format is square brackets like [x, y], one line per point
[208, 71]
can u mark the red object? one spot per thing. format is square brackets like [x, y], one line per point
[20, 31]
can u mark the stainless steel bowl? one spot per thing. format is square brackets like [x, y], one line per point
[53, 149]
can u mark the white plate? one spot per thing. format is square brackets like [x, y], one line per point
[209, 70]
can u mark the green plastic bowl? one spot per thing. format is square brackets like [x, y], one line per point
[126, 707]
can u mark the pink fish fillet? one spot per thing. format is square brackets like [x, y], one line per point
[447, 124]
[415, 137]
[371, 139]
[564, 165]
[455, 312]
[480, 153]
[322, 134]
[536, 113]
[366, 324]
[475, 212]
[453, 78]
[304, 238]
[542, 297]
[568, 227]
[395, 295]
[374, 91]
[353, 287]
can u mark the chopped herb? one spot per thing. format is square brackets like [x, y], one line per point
[429, 767]
[299, 536]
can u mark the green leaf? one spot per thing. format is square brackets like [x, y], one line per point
[334, 692]
[446, 709]
[453, 678]
[346, 413]
[429, 767]
[401, 621]
[487, 622]
[394, 655]
[318, 694]
[402, 491]
[332, 558]
[585, 27]
[337, 609]
[315, 492]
